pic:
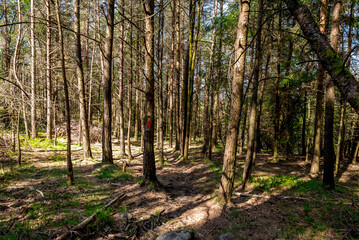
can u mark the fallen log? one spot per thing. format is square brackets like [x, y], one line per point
[84, 223]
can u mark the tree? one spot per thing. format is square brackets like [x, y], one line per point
[149, 167]
[70, 172]
[229, 160]
[49, 103]
[81, 84]
[318, 124]
[33, 69]
[251, 148]
[329, 153]
[106, 83]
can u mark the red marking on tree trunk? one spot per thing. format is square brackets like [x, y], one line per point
[149, 123]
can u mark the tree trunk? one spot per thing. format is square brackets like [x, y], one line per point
[229, 161]
[70, 173]
[160, 84]
[49, 104]
[81, 84]
[178, 76]
[329, 153]
[33, 69]
[129, 93]
[149, 167]
[106, 83]
[120, 87]
[318, 121]
[253, 104]
[206, 148]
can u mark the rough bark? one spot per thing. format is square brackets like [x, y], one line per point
[319, 111]
[149, 167]
[329, 153]
[33, 69]
[229, 161]
[120, 87]
[70, 173]
[49, 104]
[106, 84]
[81, 84]
[253, 104]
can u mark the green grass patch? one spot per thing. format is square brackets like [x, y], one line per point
[113, 172]
[43, 143]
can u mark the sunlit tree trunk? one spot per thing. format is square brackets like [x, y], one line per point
[149, 167]
[33, 69]
[229, 160]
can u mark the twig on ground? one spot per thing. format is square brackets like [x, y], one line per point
[84, 223]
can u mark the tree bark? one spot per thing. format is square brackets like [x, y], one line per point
[120, 87]
[70, 173]
[106, 83]
[33, 69]
[329, 153]
[253, 104]
[319, 111]
[49, 104]
[81, 84]
[149, 167]
[229, 161]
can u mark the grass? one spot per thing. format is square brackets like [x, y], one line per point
[113, 172]
[43, 143]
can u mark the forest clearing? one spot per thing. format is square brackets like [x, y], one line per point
[179, 119]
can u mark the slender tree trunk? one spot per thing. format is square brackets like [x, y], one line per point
[149, 167]
[277, 109]
[120, 88]
[33, 69]
[253, 104]
[207, 125]
[318, 121]
[18, 139]
[129, 93]
[107, 82]
[178, 76]
[81, 84]
[160, 84]
[329, 153]
[308, 132]
[70, 173]
[191, 81]
[229, 161]
[170, 93]
[49, 104]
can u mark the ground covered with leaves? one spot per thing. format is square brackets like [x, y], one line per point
[282, 202]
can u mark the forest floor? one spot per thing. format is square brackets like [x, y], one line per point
[37, 203]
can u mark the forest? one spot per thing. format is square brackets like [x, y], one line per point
[179, 119]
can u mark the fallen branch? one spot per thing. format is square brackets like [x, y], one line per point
[84, 223]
